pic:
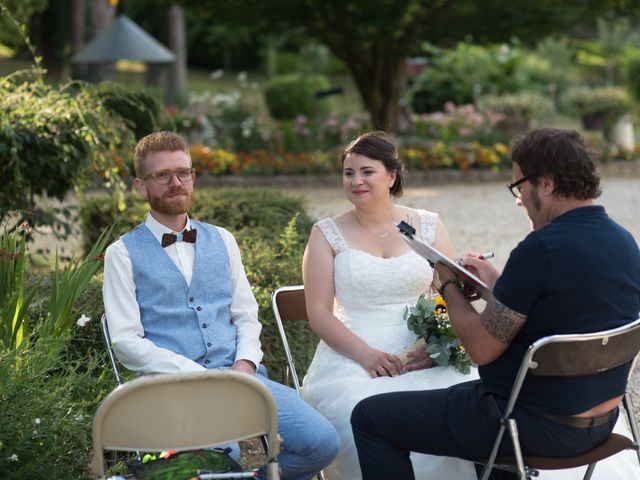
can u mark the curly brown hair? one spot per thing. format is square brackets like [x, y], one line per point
[562, 155]
[157, 142]
[379, 146]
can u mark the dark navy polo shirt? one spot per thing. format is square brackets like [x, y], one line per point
[579, 273]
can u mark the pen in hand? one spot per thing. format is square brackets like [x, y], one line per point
[484, 256]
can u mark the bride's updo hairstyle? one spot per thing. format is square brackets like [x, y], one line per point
[379, 146]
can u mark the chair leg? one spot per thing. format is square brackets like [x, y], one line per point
[589, 472]
[486, 471]
[513, 433]
[633, 424]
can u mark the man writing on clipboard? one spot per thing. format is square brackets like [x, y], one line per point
[576, 272]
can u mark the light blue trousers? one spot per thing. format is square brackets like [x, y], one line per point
[309, 441]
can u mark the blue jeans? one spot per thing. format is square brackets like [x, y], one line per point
[309, 441]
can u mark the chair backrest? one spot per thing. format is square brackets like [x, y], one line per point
[288, 304]
[576, 355]
[579, 354]
[107, 341]
[185, 411]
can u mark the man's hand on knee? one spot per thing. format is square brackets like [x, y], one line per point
[244, 366]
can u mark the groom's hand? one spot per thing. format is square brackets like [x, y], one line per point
[244, 366]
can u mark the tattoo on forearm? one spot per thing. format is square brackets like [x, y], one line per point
[501, 322]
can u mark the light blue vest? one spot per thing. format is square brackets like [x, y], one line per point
[191, 320]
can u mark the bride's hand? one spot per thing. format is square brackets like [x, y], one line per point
[379, 363]
[417, 359]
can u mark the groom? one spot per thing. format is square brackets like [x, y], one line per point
[577, 272]
[177, 299]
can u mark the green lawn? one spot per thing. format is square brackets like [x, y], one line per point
[199, 81]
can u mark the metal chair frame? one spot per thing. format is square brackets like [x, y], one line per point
[288, 304]
[570, 355]
[112, 356]
[186, 411]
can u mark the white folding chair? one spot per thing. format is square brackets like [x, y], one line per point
[288, 304]
[185, 411]
[569, 356]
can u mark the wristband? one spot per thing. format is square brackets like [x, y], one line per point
[449, 281]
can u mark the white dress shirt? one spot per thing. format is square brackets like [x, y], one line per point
[123, 313]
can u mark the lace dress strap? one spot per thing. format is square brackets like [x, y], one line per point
[332, 233]
[428, 222]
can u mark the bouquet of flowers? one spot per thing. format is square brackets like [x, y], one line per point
[430, 321]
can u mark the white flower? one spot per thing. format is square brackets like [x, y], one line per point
[217, 74]
[13, 458]
[242, 77]
[37, 420]
[82, 321]
[79, 418]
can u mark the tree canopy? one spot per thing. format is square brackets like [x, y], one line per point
[374, 38]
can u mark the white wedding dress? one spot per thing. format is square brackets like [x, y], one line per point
[371, 296]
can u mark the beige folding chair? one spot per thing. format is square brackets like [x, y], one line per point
[185, 411]
[289, 305]
[569, 356]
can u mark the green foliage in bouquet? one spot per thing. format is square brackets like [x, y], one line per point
[429, 320]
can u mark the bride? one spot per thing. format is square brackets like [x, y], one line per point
[359, 276]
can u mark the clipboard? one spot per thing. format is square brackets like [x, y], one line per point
[434, 256]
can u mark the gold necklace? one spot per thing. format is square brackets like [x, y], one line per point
[379, 235]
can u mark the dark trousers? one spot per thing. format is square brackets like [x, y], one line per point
[460, 421]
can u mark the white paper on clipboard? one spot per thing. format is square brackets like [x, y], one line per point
[434, 256]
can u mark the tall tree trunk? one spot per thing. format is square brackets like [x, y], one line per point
[78, 22]
[49, 30]
[78, 32]
[102, 16]
[381, 91]
[177, 91]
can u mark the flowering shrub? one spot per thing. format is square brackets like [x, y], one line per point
[334, 131]
[460, 156]
[457, 123]
[230, 122]
[216, 161]
[519, 110]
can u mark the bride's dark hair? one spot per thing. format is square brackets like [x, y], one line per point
[379, 146]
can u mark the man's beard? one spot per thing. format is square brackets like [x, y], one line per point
[172, 206]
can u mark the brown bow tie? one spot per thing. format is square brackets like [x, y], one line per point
[185, 236]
